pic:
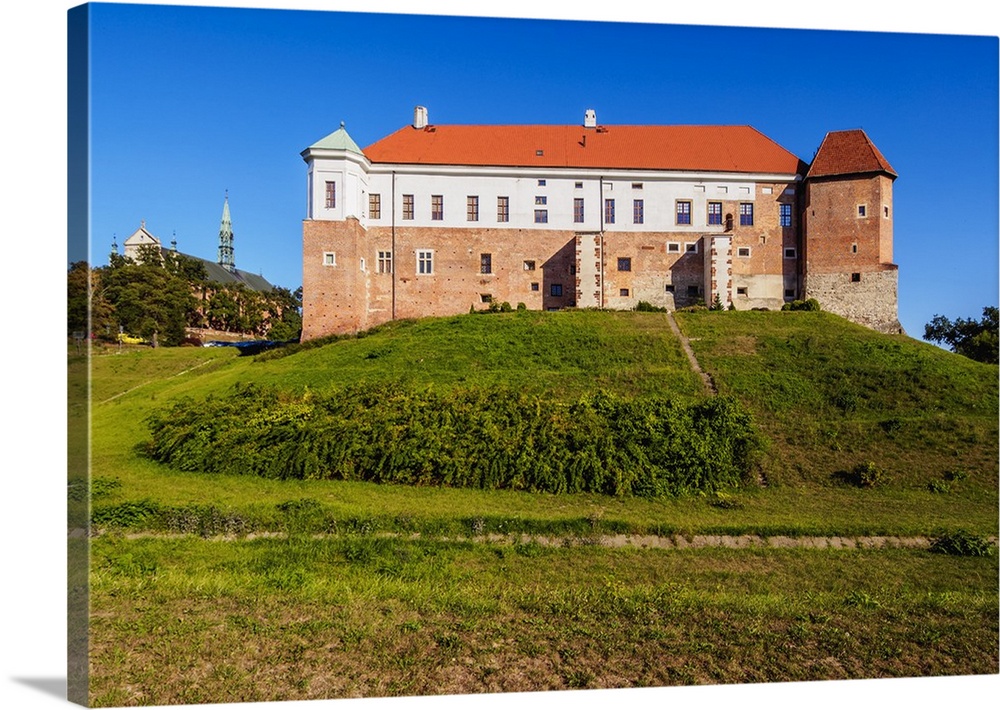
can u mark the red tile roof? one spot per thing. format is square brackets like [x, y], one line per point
[848, 153]
[740, 149]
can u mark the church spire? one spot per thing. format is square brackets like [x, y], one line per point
[226, 257]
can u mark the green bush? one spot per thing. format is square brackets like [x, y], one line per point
[864, 475]
[963, 544]
[489, 438]
[647, 307]
[809, 305]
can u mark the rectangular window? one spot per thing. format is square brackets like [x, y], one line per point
[609, 211]
[673, 247]
[437, 207]
[854, 248]
[790, 252]
[579, 186]
[715, 213]
[541, 216]
[683, 210]
[425, 261]
[541, 200]
[541, 183]
[885, 211]
[623, 292]
[624, 263]
[556, 290]
[637, 211]
[486, 297]
[529, 265]
[746, 214]
[741, 290]
[503, 209]
[331, 195]
[472, 208]
[789, 293]
[329, 258]
[577, 209]
[375, 206]
[692, 291]
[784, 215]
[743, 251]
[669, 288]
[486, 263]
[534, 286]
[385, 262]
[407, 206]
[855, 278]
[862, 210]
[636, 185]
[691, 247]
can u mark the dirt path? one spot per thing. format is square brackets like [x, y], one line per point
[667, 542]
[686, 344]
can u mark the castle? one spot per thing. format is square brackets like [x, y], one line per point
[433, 220]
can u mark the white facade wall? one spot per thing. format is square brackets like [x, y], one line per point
[660, 190]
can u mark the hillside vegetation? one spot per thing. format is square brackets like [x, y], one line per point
[262, 587]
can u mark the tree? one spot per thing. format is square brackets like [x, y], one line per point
[975, 339]
[87, 308]
[149, 301]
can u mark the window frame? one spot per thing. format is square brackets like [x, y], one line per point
[609, 210]
[329, 258]
[714, 218]
[503, 208]
[578, 210]
[374, 205]
[408, 207]
[541, 216]
[682, 212]
[746, 214]
[486, 262]
[784, 214]
[472, 208]
[383, 262]
[331, 195]
[425, 258]
[624, 263]
[437, 208]
[638, 211]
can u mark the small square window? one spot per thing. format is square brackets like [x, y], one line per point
[534, 286]
[556, 290]
[623, 292]
[692, 290]
[529, 265]
[743, 251]
[691, 247]
[673, 247]
[329, 258]
[578, 185]
[741, 290]
[541, 216]
[486, 297]
[790, 253]
[624, 263]
[669, 288]
[789, 293]
[541, 200]
[541, 183]
[855, 277]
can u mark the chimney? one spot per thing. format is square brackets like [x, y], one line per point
[419, 117]
[590, 118]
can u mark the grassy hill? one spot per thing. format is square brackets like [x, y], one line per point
[329, 588]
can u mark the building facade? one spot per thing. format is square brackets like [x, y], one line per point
[435, 220]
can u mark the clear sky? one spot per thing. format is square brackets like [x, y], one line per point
[189, 102]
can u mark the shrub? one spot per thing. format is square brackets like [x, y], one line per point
[647, 307]
[963, 544]
[864, 475]
[489, 438]
[808, 305]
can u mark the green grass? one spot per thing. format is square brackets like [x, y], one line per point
[366, 609]
[360, 616]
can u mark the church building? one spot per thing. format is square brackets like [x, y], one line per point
[433, 220]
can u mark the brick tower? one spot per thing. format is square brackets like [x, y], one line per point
[847, 232]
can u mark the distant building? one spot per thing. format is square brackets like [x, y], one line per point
[223, 271]
[433, 220]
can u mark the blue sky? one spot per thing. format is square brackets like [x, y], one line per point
[189, 102]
